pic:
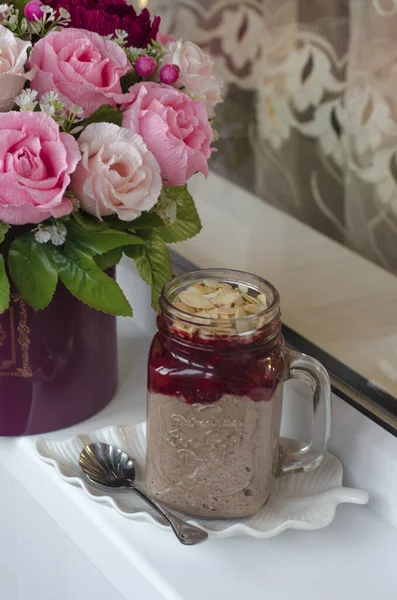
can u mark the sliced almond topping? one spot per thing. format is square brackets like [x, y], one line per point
[242, 326]
[225, 286]
[182, 306]
[195, 289]
[249, 299]
[227, 310]
[208, 314]
[262, 299]
[183, 327]
[195, 300]
[220, 329]
[243, 288]
[211, 283]
[217, 302]
[260, 322]
[223, 326]
[226, 299]
[254, 308]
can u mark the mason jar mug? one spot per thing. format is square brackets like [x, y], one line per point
[215, 384]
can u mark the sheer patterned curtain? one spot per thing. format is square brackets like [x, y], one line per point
[310, 119]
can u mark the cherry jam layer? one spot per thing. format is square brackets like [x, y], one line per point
[205, 374]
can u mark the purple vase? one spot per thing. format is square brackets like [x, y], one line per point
[58, 366]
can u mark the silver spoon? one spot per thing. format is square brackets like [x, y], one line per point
[111, 467]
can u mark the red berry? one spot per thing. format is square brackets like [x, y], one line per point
[169, 74]
[145, 66]
[32, 10]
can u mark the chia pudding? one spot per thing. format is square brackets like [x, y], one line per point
[214, 405]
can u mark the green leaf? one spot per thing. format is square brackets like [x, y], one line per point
[4, 227]
[128, 80]
[20, 4]
[109, 259]
[153, 264]
[32, 271]
[187, 223]
[4, 287]
[85, 280]
[139, 254]
[104, 114]
[89, 222]
[99, 242]
[147, 220]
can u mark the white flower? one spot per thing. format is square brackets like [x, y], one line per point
[58, 234]
[275, 117]
[50, 97]
[368, 120]
[307, 73]
[326, 127]
[121, 37]
[50, 103]
[117, 173]
[48, 109]
[137, 51]
[54, 233]
[196, 72]
[64, 14]
[49, 14]
[76, 110]
[42, 234]
[380, 173]
[240, 34]
[13, 56]
[166, 209]
[26, 100]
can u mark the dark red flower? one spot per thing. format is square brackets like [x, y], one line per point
[105, 16]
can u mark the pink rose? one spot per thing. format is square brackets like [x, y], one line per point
[35, 163]
[117, 173]
[13, 56]
[81, 66]
[174, 127]
[196, 72]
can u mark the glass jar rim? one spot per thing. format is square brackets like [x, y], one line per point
[177, 284]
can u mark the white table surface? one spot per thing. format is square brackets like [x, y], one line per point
[353, 558]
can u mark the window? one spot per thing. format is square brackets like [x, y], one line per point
[308, 130]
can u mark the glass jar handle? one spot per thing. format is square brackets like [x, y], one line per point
[308, 369]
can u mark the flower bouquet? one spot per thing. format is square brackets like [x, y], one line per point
[103, 120]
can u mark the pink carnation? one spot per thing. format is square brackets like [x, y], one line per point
[81, 66]
[36, 161]
[174, 127]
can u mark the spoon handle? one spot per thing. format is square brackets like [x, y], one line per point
[186, 534]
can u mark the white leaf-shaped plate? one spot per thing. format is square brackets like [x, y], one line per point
[300, 500]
